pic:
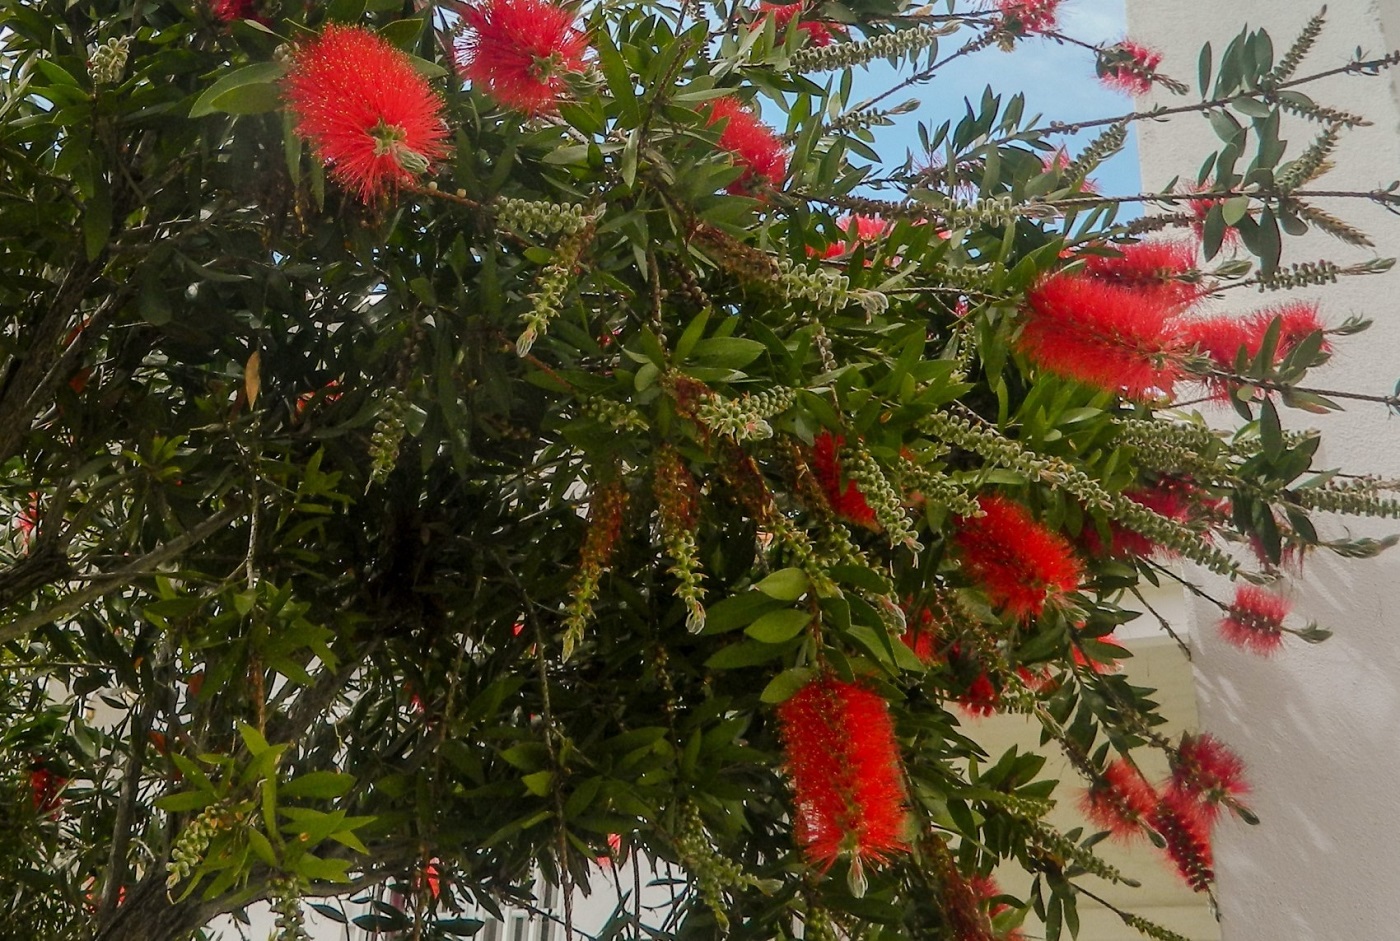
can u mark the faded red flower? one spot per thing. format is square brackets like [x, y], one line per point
[845, 496]
[842, 757]
[1128, 67]
[1021, 565]
[1121, 801]
[858, 229]
[752, 143]
[28, 519]
[1206, 770]
[1098, 666]
[519, 51]
[987, 891]
[1187, 834]
[1030, 16]
[1200, 208]
[365, 109]
[921, 635]
[819, 32]
[1060, 161]
[1166, 267]
[1254, 620]
[1115, 338]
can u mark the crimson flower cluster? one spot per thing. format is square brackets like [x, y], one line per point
[1020, 563]
[819, 32]
[520, 52]
[1129, 67]
[752, 143]
[1254, 620]
[1030, 16]
[843, 761]
[365, 109]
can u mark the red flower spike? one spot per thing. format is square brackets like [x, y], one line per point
[1102, 335]
[841, 754]
[1021, 565]
[1032, 16]
[365, 109]
[519, 51]
[819, 32]
[752, 143]
[45, 788]
[1187, 835]
[981, 698]
[921, 635]
[1095, 666]
[1121, 802]
[1220, 339]
[1166, 268]
[1206, 770]
[1129, 67]
[1254, 621]
[846, 500]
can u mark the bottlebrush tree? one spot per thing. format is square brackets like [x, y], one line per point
[454, 441]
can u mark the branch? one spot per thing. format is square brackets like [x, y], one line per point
[106, 583]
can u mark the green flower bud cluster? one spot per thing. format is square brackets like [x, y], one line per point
[822, 343]
[1150, 929]
[850, 54]
[546, 303]
[800, 549]
[685, 568]
[714, 874]
[745, 418]
[862, 468]
[1311, 162]
[526, 215]
[1047, 841]
[1026, 808]
[193, 842]
[937, 488]
[1100, 149]
[1175, 448]
[108, 61]
[1298, 275]
[859, 120]
[1352, 497]
[817, 925]
[825, 288]
[619, 415]
[997, 449]
[285, 898]
[995, 212]
[388, 435]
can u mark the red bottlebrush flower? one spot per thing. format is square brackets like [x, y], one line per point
[1200, 209]
[1207, 770]
[519, 51]
[1031, 16]
[987, 891]
[1102, 335]
[28, 519]
[921, 635]
[819, 32]
[365, 109]
[1187, 834]
[1220, 339]
[1163, 267]
[841, 754]
[846, 500]
[1120, 802]
[306, 399]
[858, 229]
[45, 788]
[981, 697]
[1021, 564]
[752, 143]
[1254, 621]
[1128, 67]
[226, 11]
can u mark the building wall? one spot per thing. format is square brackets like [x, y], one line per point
[1317, 725]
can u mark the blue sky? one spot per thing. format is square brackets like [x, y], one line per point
[1058, 81]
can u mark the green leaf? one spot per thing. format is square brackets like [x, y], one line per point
[538, 783]
[785, 584]
[185, 801]
[737, 611]
[778, 626]
[253, 739]
[319, 785]
[262, 77]
[746, 654]
[786, 684]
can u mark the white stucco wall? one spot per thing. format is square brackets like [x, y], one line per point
[1318, 726]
